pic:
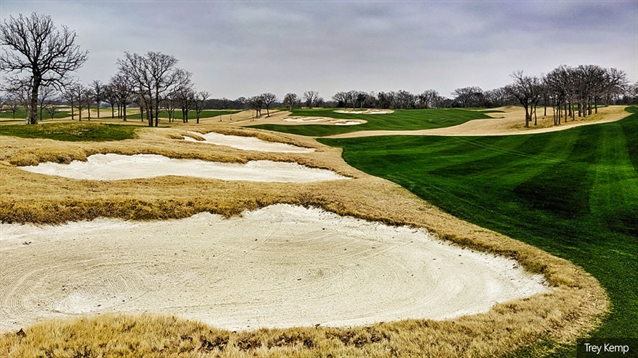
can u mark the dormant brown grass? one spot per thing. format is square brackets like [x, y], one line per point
[572, 308]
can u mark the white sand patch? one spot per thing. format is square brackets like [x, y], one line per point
[279, 266]
[305, 119]
[367, 111]
[347, 123]
[117, 167]
[248, 143]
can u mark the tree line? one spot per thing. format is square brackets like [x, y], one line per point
[39, 60]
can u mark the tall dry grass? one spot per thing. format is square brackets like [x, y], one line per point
[569, 310]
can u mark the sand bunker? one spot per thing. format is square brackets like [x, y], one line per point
[367, 111]
[306, 119]
[248, 143]
[347, 123]
[279, 266]
[324, 120]
[116, 167]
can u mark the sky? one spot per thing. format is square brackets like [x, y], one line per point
[245, 48]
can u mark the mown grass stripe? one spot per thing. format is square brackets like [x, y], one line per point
[573, 193]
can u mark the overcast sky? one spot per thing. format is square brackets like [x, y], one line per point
[244, 48]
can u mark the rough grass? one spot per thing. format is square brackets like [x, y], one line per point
[72, 132]
[192, 115]
[572, 308]
[413, 119]
[572, 193]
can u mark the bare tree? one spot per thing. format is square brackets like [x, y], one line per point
[154, 75]
[44, 94]
[269, 99]
[122, 90]
[86, 97]
[110, 97]
[200, 101]
[69, 95]
[51, 109]
[290, 100]
[469, 96]
[38, 50]
[255, 103]
[98, 94]
[310, 97]
[527, 90]
[185, 97]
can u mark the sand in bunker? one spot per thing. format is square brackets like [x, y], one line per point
[280, 266]
[116, 167]
[248, 143]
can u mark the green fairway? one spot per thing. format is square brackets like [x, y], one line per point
[72, 132]
[573, 193]
[203, 114]
[412, 119]
[21, 114]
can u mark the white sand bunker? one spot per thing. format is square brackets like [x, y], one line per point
[325, 120]
[306, 119]
[116, 167]
[347, 123]
[248, 143]
[280, 266]
[367, 111]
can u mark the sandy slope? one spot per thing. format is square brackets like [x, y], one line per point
[511, 121]
[280, 266]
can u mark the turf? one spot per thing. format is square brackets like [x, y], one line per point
[573, 193]
[413, 119]
[73, 132]
[192, 116]
[21, 114]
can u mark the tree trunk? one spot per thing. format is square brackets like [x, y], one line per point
[33, 110]
[124, 111]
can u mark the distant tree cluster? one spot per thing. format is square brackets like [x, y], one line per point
[569, 90]
[39, 59]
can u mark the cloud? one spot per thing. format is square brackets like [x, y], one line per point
[245, 48]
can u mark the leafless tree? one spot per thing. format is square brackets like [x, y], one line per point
[469, 96]
[310, 98]
[291, 100]
[269, 99]
[110, 97]
[255, 103]
[153, 75]
[13, 102]
[200, 102]
[122, 90]
[35, 48]
[45, 93]
[98, 94]
[70, 96]
[86, 98]
[185, 97]
[527, 90]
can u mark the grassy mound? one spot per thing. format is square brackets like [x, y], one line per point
[572, 193]
[71, 132]
[399, 120]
